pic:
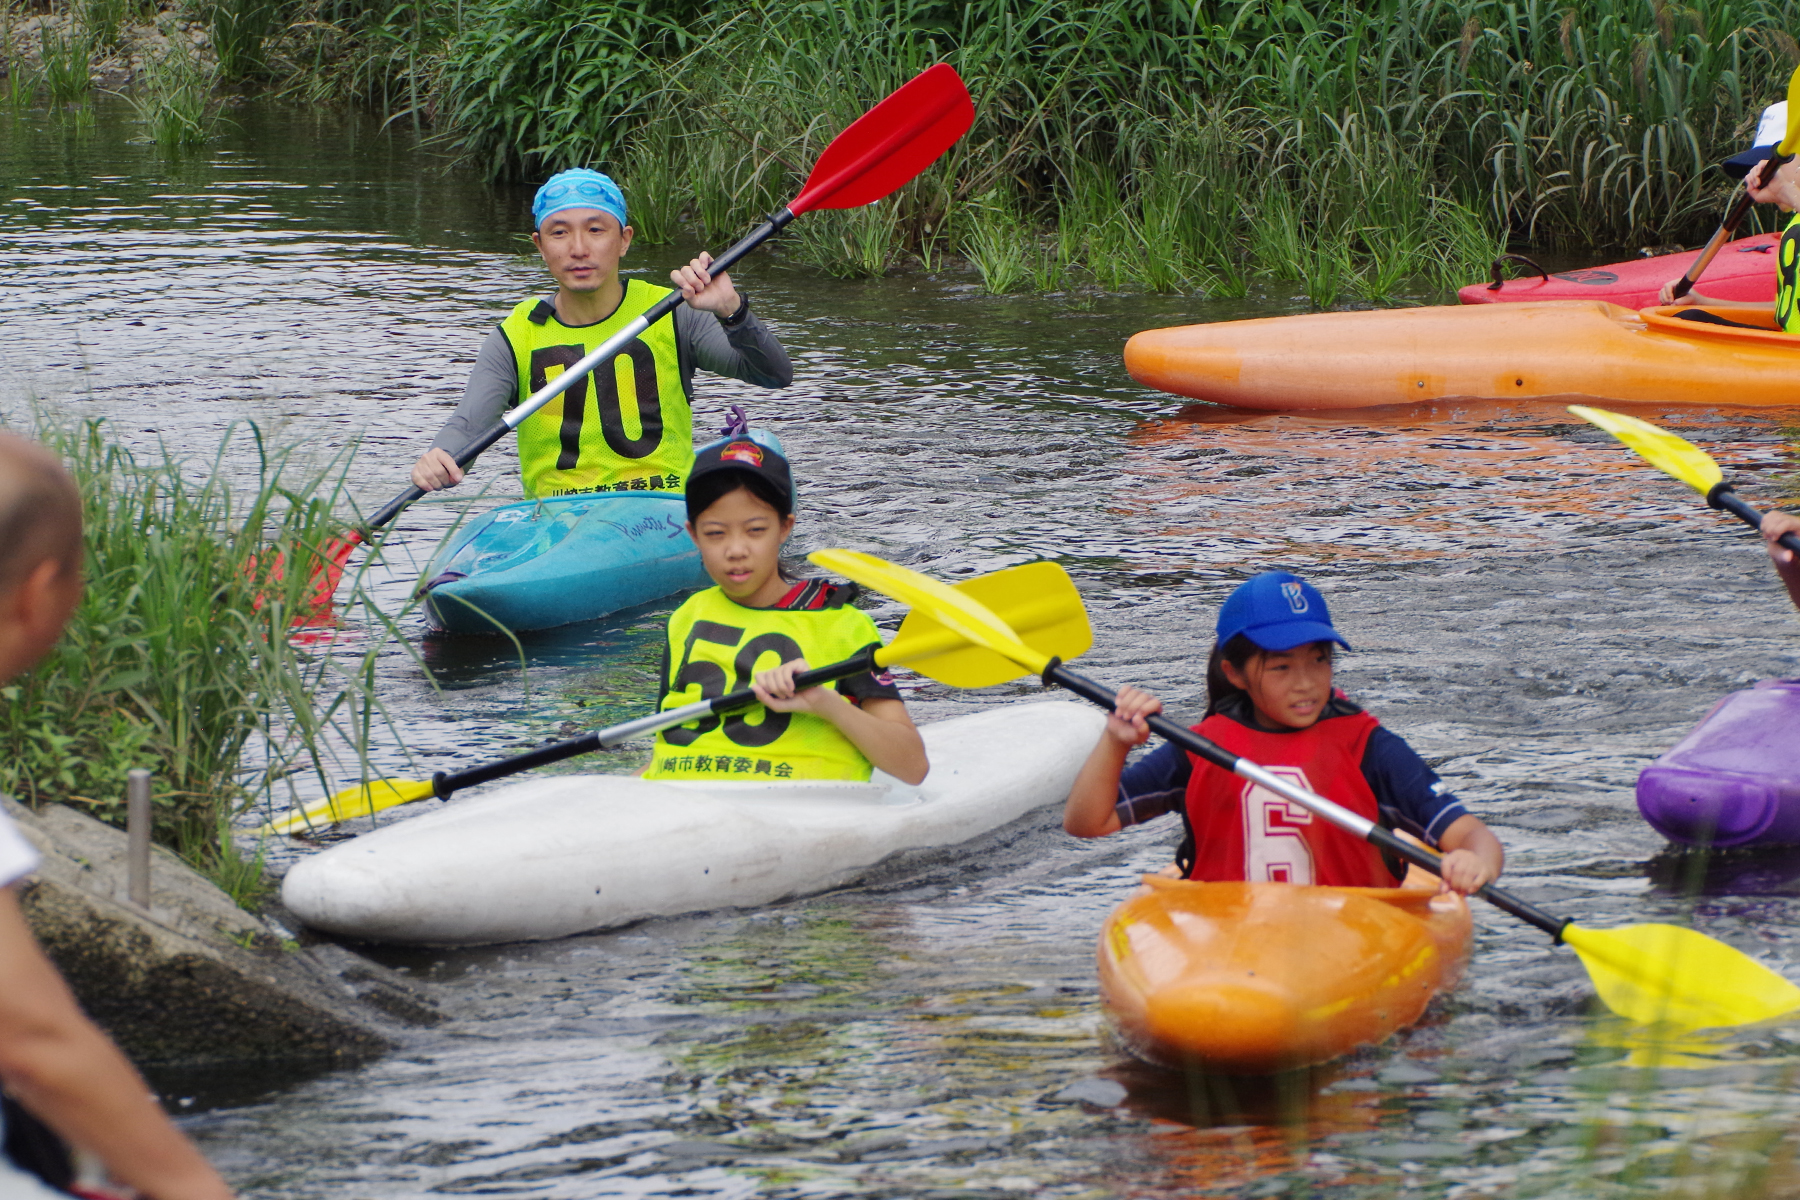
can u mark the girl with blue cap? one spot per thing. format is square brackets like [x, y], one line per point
[1270, 700]
[627, 426]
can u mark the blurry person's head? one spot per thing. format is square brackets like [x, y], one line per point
[40, 553]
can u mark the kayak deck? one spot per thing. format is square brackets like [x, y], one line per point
[1573, 350]
[1742, 270]
[1735, 779]
[539, 564]
[557, 855]
[1255, 978]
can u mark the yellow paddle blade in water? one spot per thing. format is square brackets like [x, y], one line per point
[1038, 601]
[956, 611]
[359, 801]
[1661, 449]
[1667, 975]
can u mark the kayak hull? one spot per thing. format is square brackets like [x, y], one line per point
[1554, 350]
[539, 564]
[1258, 978]
[568, 854]
[1734, 780]
[1742, 270]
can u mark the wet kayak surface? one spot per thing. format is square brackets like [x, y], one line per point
[1539, 614]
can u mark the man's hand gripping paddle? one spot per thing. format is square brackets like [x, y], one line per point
[1675, 455]
[886, 148]
[1728, 227]
[1652, 974]
[1038, 600]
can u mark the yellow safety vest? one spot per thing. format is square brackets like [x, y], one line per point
[1787, 278]
[629, 427]
[716, 646]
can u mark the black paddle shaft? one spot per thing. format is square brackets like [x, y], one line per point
[444, 784]
[1721, 496]
[1383, 839]
[469, 453]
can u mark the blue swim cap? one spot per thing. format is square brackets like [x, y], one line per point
[578, 188]
[1277, 611]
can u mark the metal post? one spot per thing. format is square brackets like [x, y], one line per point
[137, 837]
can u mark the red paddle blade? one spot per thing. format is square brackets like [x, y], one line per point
[891, 143]
[327, 573]
[330, 570]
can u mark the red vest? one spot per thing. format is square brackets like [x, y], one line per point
[1244, 832]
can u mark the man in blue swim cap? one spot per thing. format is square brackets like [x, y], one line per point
[627, 428]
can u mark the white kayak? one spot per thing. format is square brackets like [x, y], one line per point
[571, 853]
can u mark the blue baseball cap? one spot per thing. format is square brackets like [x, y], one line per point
[1277, 611]
[578, 188]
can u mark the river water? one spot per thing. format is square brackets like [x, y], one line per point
[1534, 610]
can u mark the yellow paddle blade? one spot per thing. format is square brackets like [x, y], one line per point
[1661, 1047]
[1038, 601]
[959, 613]
[1667, 975]
[1791, 142]
[1663, 450]
[359, 801]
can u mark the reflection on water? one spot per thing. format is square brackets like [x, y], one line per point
[1539, 614]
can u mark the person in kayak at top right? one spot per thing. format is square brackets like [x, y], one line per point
[1270, 699]
[1784, 192]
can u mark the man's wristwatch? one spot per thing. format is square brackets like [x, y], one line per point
[743, 311]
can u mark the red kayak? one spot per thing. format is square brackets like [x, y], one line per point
[1743, 270]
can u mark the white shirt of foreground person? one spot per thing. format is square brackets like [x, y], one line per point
[17, 860]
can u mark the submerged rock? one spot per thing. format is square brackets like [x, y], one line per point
[195, 979]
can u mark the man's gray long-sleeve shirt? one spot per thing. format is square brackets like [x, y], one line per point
[746, 351]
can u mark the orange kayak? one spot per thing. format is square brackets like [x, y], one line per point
[1254, 978]
[1564, 350]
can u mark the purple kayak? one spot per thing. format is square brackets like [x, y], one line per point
[1735, 780]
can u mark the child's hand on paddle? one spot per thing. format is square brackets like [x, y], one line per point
[1131, 707]
[1667, 296]
[1775, 523]
[1464, 873]
[775, 688]
[704, 290]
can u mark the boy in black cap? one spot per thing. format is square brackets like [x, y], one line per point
[758, 629]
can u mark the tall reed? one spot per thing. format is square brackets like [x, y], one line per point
[179, 657]
[1146, 138]
[65, 55]
[174, 97]
[237, 30]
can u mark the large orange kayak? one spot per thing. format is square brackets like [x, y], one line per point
[1565, 350]
[1254, 978]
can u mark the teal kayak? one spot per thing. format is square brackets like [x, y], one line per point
[543, 563]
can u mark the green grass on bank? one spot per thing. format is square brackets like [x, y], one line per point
[1354, 149]
[180, 657]
[1345, 146]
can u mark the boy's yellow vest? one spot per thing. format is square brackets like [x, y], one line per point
[716, 646]
[629, 426]
[1787, 269]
